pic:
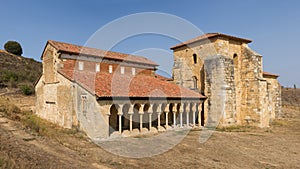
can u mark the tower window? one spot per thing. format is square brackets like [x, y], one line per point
[235, 61]
[195, 58]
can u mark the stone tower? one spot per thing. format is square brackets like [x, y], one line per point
[230, 74]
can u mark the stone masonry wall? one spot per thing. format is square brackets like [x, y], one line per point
[220, 90]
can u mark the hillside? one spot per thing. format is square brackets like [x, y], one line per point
[17, 71]
[290, 97]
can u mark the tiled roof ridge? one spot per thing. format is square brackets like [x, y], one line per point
[206, 37]
[77, 49]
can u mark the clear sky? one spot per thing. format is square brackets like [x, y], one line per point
[273, 25]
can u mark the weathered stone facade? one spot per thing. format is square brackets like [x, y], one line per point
[230, 74]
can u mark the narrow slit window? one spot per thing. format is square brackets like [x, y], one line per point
[84, 103]
[195, 82]
[195, 58]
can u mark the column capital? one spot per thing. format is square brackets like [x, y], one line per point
[120, 109]
[181, 108]
[166, 108]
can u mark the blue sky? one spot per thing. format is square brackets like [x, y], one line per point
[274, 26]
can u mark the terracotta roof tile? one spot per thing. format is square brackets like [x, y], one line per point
[116, 85]
[160, 77]
[208, 36]
[75, 49]
[270, 74]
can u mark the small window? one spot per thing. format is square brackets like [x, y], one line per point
[110, 69]
[195, 58]
[83, 103]
[133, 71]
[80, 65]
[97, 67]
[122, 70]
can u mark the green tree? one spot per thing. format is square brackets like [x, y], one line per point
[13, 47]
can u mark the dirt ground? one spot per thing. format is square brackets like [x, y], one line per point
[243, 147]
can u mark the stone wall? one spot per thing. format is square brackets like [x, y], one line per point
[220, 90]
[274, 96]
[55, 102]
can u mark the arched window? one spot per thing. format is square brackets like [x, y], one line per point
[195, 58]
[195, 82]
[235, 60]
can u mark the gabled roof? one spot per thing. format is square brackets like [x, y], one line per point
[208, 36]
[87, 51]
[104, 84]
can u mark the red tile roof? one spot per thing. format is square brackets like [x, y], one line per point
[160, 77]
[116, 85]
[270, 74]
[208, 36]
[75, 49]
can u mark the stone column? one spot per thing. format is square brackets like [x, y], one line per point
[130, 113]
[180, 112]
[174, 110]
[166, 110]
[120, 113]
[107, 119]
[120, 122]
[199, 107]
[150, 112]
[193, 108]
[187, 109]
[141, 121]
[167, 125]
[158, 110]
[158, 119]
[150, 120]
[174, 119]
[130, 122]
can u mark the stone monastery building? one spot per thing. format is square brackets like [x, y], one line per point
[217, 81]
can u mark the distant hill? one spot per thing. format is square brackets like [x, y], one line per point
[290, 97]
[18, 72]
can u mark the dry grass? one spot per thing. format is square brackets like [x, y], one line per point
[34, 124]
[6, 162]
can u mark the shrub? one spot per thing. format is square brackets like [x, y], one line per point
[13, 47]
[34, 123]
[27, 89]
[10, 110]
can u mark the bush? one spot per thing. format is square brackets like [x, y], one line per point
[34, 123]
[27, 89]
[10, 110]
[10, 76]
[13, 47]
